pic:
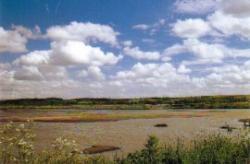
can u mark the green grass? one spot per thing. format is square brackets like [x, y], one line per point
[16, 146]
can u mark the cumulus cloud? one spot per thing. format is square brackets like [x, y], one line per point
[230, 18]
[28, 73]
[95, 73]
[12, 41]
[34, 58]
[183, 69]
[52, 65]
[34, 33]
[67, 53]
[152, 79]
[239, 8]
[86, 32]
[15, 39]
[229, 25]
[75, 52]
[206, 53]
[92, 73]
[191, 28]
[229, 76]
[137, 53]
[196, 6]
[149, 73]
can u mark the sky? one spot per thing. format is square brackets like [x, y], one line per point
[118, 49]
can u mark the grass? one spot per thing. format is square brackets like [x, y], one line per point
[17, 147]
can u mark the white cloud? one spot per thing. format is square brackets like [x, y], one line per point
[229, 76]
[52, 65]
[183, 69]
[127, 43]
[54, 72]
[137, 53]
[239, 8]
[229, 25]
[15, 39]
[28, 73]
[204, 52]
[86, 32]
[95, 73]
[67, 53]
[28, 33]
[151, 28]
[141, 27]
[92, 73]
[34, 58]
[230, 18]
[152, 79]
[75, 52]
[196, 6]
[12, 41]
[191, 28]
[142, 71]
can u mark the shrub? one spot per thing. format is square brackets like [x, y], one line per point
[219, 149]
[16, 143]
[210, 149]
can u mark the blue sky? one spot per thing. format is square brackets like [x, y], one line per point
[115, 48]
[121, 16]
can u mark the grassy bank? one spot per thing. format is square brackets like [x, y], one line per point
[200, 102]
[16, 146]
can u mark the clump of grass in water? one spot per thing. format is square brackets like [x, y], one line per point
[16, 146]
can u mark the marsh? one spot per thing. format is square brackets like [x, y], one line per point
[131, 133]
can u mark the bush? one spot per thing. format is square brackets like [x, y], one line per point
[211, 149]
[16, 144]
[220, 149]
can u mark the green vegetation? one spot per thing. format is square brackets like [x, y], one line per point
[201, 102]
[214, 149]
[16, 146]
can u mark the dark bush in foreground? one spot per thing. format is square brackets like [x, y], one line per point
[16, 147]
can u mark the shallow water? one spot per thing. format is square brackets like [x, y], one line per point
[131, 135]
